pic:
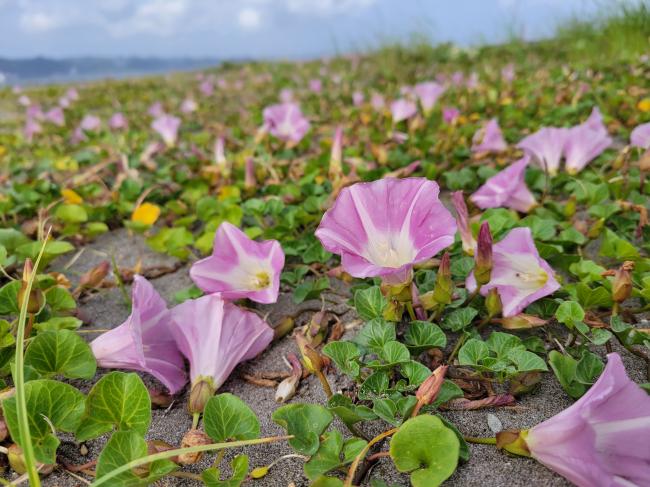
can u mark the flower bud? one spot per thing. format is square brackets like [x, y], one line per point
[220, 159]
[287, 388]
[596, 228]
[570, 207]
[513, 441]
[193, 438]
[429, 389]
[483, 258]
[444, 287]
[310, 356]
[644, 162]
[462, 220]
[36, 299]
[521, 321]
[94, 277]
[622, 286]
[201, 392]
[493, 302]
[286, 325]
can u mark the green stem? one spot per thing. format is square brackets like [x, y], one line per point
[480, 441]
[459, 343]
[19, 380]
[195, 420]
[181, 451]
[355, 464]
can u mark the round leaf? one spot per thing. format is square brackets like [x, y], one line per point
[63, 353]
[226, 417]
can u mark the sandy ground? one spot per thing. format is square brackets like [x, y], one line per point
[487, 466]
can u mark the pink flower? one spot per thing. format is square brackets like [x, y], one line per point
[215, 336]
[24, 100]
[34, 111]
[90, 123]
[585, 142]
[357, 98]
[286, 122]
[384, 227]
[117, 121]
[55, 116]
[457, 78]
[472, 81]
[640, 136]
[519, 274]
[506, 189]
[72, 94]
[428, 94]
[144, 341]
[286, 95]
[546, 147]
[508, 73]
[315, 85]
[602, 440]
[32, 127]
[377, 101]
[402, 109]
[64, 102]
[189, 106]
[462, 221]
[240, 267]
[489, 138]
[220, 158]
[206, 88]
[156, 110]
[167, 127]
[450, 114]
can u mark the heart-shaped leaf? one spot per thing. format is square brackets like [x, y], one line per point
[369, 303]
[63, 353]
[239, 468]
[345, 355]
[306, 422]
[226, 417]
[333, 453]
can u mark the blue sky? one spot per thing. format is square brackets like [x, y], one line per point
[262, 28]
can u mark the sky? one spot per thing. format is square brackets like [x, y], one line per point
[263, 29]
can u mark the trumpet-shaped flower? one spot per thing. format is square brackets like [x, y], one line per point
[384, 227]
[640, 136]
[428, 94]
[156, 110]
[215, 336]
[117, 121]
[206, 87]
[402, 109]
[506, 189]
[286, 122]
[450, 114]
[167, 127]
[189, 105]
[240, 267]
[489, 138]
[55, 115]
[519, 274]
[602, 440]
[90, 123]
[377, 101]
[357, 98]
[144, 341]
[315, 85]
[32, 127]
[585, 142]
[546, 147]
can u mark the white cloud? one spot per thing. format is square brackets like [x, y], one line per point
[159, 17]
[249, 18]
[326, 7]
[39, 21]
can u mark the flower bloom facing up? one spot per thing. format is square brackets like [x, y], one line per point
[506, 189]
[144, 341]
[215, 336]
[55, 115]
[489, 139]
[117, 121]
[90, 123]
[240, 267]
[384, 227]
[640, 136]
[286, 122]
[402, 109]
[428, 94]
[167, 127]
[585, 142]
[518, 273]
[602, 440]
[546, 147]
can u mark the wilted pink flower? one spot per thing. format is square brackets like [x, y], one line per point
[189, 106]
[462, 222]
[90, 123]
[286, 95]
[377, 101]
[117, 121]
[489, 138]
[215, 336]
[508, 73]
[240, 267]
[450, 114]
[506, 189]
[585, 142]
[519, 274]
[428, 94]
[315, 85]
[167, 127]
[144, 341]
[546, 147]
[602, 440]
[402, 109]
[384, 227]
[206, 88]
[286, 122]
[640, 136]
[55, 115]
[32, 127]
[156, 110]
[357, 98]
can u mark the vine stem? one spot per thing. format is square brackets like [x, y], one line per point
[19, 378]
[359, 457]
[481, 441]
[181, 451]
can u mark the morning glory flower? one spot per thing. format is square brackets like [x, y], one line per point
[240, 267]
[377, 101]
[32, 127]
[506, 189]
[450, 114]
[519, 274]
[385, 227]
[315, 85]
[90, 123]
[428, 93]
[602, 440]
[402, 109]
[508, 73]
[286, 121]
[462, 221]
[585, 142]
[489, 139]
[144, 341]
[546, 147]
[55, 115]
[117, 121]
[206, 88]
[189, 106]
[215, 336]
[640, 136]
[156, 110]
[167, 127]
[357, 98]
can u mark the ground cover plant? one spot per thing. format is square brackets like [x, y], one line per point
[467, 224]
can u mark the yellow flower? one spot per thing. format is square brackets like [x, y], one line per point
[71, 197]
[146, 213]
[644, 105]
[66, 164]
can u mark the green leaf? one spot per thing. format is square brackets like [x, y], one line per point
[526, 361]
[348, 412]
[375, 384]
[72, 213]
[564, 367]
[375, 334]
[9, 298]
[53, 248]
[569, 313]
[502, 343]
[345, 355]
[394, 353]
[124, 447]
[306, 422]
[422, 335]
[473, 352]
[226, 417]
[449, 390]
[63, 353]
[589, 368]
[427, 449]
[59, 299]
[599, 297]
[464, 452]
[239, 467]
[118, 400]
[59, 323]
[369, 303]
[310, 289]
[415, 372]
[616, 247]
[332, 454]
[49, 404]
[6, 337]
[327, 482]
[459, 319]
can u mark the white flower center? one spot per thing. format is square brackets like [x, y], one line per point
[390, 251]
[523, 272]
